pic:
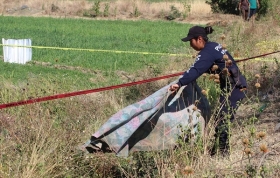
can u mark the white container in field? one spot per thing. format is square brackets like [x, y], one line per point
[14, 50]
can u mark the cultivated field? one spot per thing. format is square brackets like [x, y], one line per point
[76, 49]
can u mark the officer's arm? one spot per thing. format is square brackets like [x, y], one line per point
[202, 64]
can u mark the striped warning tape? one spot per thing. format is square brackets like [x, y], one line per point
[97, 50]
[118, 51]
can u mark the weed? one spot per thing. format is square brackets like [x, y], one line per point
[106, 10]
[187, 9]
[96, 9]
[174, 13]
[136, 12]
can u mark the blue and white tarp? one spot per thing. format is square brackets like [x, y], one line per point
[152, 123]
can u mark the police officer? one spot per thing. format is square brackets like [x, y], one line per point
[213, 58]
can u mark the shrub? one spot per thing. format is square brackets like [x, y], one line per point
[174, 13]
[96, 9]
[264, 6]
[106, 10]
[231, 6]
[224, 6]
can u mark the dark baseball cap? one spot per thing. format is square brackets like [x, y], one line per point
[194, 32]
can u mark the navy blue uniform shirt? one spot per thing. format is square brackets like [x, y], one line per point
[212, 54]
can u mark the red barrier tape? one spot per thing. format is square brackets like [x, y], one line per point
[30, 101]
[14, 104]
[262, 55]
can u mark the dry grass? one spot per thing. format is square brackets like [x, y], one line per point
[120, 9]
[40, 140]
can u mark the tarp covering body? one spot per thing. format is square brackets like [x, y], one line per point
[153, 123]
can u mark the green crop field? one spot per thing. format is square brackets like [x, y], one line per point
[91, 45]
[81, 54]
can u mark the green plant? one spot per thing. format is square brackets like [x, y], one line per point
[187, 9]
[115, 11]
[96, 9]
[86, 13]
[265, 5]
[136, 12]
[106, 10]
[161, 14]
[231, 6]
[224, 6]
[174, 13]
[273, 9]
[255, 143]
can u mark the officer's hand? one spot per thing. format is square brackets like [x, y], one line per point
[173, 87]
